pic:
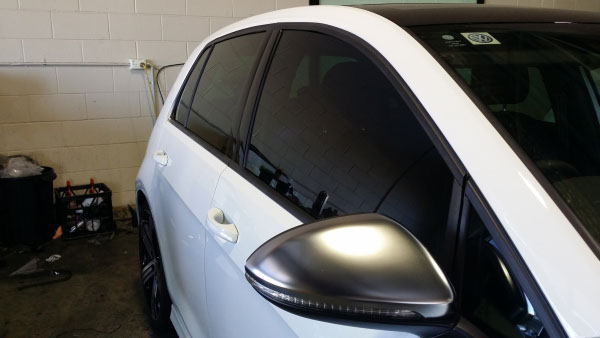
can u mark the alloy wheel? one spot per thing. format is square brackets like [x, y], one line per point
[150, 265]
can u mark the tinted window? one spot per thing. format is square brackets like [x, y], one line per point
[333, 135]
[183, 107]
[493, 300]
[221, 93]
[541, 83]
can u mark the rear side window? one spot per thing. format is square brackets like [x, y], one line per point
[332, 135]
[185, 101]
[221, 92]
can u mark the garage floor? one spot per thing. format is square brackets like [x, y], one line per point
[102, 298]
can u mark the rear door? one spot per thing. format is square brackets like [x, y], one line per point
[330, 135]
[193, 152]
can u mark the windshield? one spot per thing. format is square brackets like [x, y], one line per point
[541, 82]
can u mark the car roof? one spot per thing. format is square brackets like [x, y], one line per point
[439, 14]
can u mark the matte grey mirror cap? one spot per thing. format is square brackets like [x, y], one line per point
[363, 266]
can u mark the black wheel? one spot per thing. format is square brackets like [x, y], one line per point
[154, 285]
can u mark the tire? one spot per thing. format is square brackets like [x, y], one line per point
[154, 286]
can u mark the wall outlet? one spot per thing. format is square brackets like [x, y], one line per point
[137, 63]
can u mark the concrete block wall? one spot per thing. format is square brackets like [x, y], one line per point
[94, 121]
[583, 5]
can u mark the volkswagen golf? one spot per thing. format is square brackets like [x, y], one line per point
[379, 171]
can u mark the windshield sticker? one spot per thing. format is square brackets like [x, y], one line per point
[480, 38]
[451, 41]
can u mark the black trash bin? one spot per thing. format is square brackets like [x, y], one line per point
[26, 209]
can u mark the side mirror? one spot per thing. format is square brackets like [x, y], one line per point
[364, 267]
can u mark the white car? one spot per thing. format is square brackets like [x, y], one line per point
[379, 171]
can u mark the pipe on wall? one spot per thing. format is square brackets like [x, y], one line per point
[62, 64]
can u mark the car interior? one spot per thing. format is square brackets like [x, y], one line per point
[542, 86]
[558, 142]
[357, 146]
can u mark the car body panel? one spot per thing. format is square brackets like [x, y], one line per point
[185, 188]
[258, 219]
[565, 268]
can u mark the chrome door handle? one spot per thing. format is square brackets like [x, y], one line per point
[160, 157]
[226, 231]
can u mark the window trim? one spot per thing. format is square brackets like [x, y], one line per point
[474, 201]
[237, 116]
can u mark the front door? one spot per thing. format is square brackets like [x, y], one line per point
[331, 136]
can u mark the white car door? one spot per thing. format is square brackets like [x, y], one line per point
[196, 147]
[331, 136]
[187, 177]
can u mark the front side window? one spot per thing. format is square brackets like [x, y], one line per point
[220, 94]
[333, 135]
[541, 83]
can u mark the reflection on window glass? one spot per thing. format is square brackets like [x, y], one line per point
[218, 97]
[332, 135]
[183, 108]
[595, 73]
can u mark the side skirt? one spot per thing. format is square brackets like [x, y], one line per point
[178, 323]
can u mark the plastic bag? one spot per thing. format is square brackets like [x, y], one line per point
[20, 166]
[93, 200]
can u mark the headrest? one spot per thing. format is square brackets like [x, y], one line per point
[500, 84]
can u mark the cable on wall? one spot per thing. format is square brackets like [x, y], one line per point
[158, 78]
[150, 85]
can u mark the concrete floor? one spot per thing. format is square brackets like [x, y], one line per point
[102, 298]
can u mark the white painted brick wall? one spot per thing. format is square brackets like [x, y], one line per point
[61, 107]
[49, 5]
[79, 25]
[185, 28]
[10, 4]
[160, 6]
[11, 50]
[108, 50]
[94, 122]
[25, 25]
[108, 6]
[52, 50]
[135, 27]
[210, 8]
